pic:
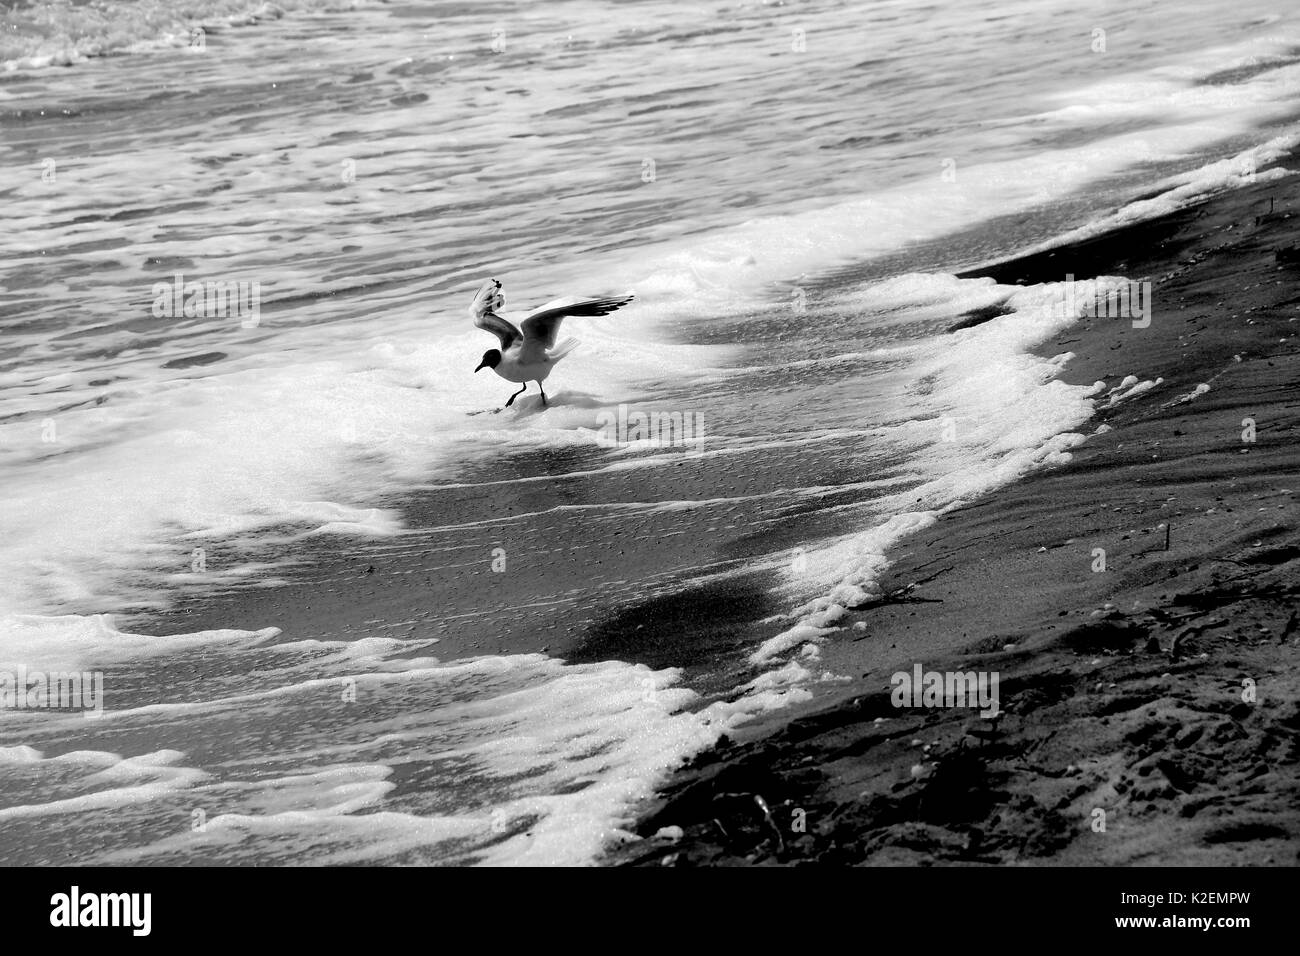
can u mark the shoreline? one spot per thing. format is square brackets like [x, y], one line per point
[1124, 687]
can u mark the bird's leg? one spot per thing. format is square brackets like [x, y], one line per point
[543, 391]
[516, 395]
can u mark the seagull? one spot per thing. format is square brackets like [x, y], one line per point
[528, 352]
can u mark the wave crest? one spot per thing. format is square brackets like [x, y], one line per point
[45, 33]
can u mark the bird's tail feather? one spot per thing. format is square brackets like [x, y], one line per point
[563, 349]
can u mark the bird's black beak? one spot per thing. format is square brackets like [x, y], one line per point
[481, 366]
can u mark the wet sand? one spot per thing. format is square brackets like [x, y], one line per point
[1151, 709]
[650, 565]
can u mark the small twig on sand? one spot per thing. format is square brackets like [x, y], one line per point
[902, 595]
[767, 815]
[927, 580]
[1192, 630]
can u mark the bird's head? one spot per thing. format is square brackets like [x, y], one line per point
[491, 359]
[489, 298]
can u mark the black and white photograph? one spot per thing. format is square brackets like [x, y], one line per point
[651, 434]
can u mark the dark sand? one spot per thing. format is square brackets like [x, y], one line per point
[1124, 688]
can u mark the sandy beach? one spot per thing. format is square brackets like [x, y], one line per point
[1150, 709]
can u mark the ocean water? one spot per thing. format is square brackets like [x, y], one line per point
[353, 171]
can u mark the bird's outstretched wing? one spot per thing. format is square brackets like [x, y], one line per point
[483, 311]
[543, 325]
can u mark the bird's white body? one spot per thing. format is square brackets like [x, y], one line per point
[514, 368]
[520, 364]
